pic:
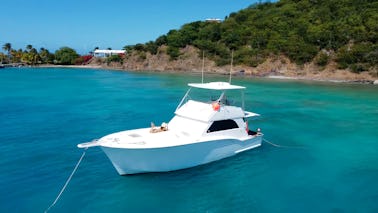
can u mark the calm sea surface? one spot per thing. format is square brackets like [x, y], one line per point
[45, 113]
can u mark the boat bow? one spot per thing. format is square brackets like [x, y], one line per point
[93, 143]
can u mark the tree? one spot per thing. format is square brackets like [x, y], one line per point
[45, 56]
[152, 47]
[173, 52]
[128, 48]
[66, 56]
[175, 39]
[358, 57]
[29, 47]
[7, 47]
[162, 40]
[139, 47]
[14, 56]
[114, 58]
[299, 29]
[2, 57]
[210, 31]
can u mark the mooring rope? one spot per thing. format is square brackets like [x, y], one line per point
[68, 180]
[282, 146]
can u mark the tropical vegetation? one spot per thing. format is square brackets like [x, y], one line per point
[319, 31]
[322, 32]
[29, 56]
[32, 56]
[66, 56]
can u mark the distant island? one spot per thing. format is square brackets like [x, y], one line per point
[311, 39]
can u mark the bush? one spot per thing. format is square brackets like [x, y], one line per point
[359, 67]
[151, 47]
[129, 48]
[173, 52]
[66, 56]
[139, 47]
[142, 56]
[322, 59]
[357, 56]
[114, 58]
[216, 51]
[162, 40]
[299, 51]
[79, 61]
[248, 56]
[372, 57]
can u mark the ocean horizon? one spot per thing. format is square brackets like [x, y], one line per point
[328, 161]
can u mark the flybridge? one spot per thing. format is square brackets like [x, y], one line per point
[216, 93]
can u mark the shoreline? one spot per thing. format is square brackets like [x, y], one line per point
[279, 77]
[69, 66]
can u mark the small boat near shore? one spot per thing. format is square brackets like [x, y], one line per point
[207, 126]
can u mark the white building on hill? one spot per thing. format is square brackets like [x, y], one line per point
[216, 20]
[107, 53]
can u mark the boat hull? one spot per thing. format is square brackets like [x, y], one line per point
[132, 161]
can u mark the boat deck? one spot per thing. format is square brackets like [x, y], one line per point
[144, 139]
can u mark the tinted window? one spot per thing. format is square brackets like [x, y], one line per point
[222, 125]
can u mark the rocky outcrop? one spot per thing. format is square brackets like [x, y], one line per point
[276, 66]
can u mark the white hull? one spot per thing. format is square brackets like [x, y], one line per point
[199, 133]
[131, 161]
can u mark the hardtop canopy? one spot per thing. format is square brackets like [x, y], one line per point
[216, 86]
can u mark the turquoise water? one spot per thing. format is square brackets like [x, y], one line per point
[45, 112]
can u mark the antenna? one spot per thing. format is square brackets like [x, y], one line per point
[232, 61]
[203, 62]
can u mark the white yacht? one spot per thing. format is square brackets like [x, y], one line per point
[204, 129]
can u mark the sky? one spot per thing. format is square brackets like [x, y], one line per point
[84, 25]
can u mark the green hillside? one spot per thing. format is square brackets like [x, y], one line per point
[344, 31]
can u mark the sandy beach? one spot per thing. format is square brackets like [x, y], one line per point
[88, 66]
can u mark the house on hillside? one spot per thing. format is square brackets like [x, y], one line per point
[107, 53]
[216, 20]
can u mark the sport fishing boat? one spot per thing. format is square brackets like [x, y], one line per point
[207, 126]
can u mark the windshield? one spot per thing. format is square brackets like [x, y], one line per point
[225, 97]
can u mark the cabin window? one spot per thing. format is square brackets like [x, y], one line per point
[222, 125]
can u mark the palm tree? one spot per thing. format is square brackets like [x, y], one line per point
[44, 55]
[29, 47]
[2, 58]
[13, 56]
[35, 56]
[17, 55]
[7, 47]
[94, 50]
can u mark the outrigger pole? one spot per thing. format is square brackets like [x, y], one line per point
[203, 62]
[232, 61]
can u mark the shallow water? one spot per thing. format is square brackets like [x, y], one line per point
[332, 165]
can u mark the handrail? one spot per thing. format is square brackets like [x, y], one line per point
[93, 143]
[183, 99]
